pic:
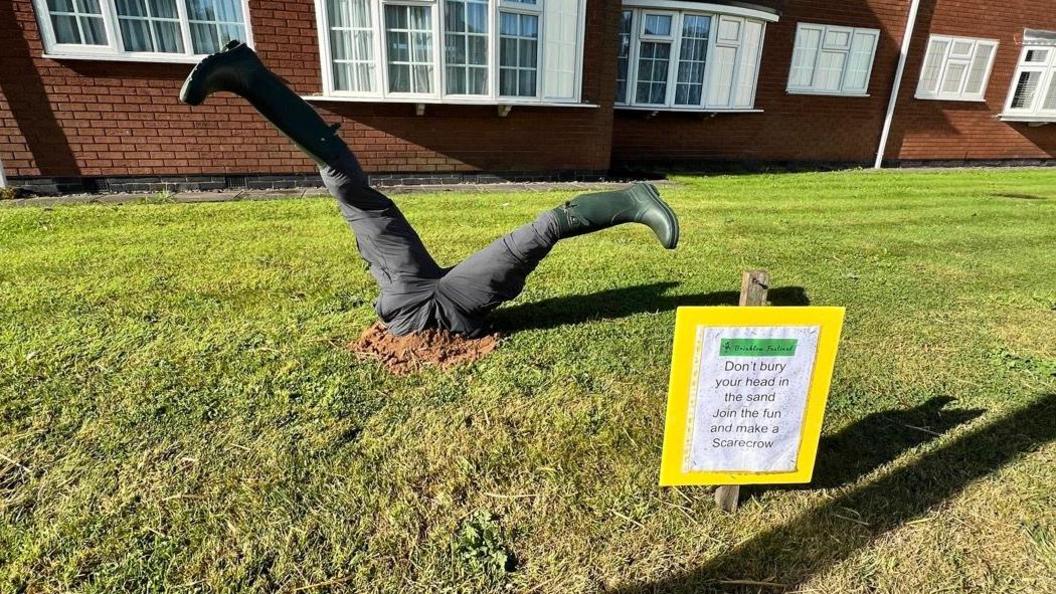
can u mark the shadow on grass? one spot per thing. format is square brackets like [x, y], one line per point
[620, 303]
[1018, 196]
[813, 542]
[878, 439]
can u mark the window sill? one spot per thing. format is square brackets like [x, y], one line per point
[703, 110]
[824, 93]
[1026, 119]
[152, 58]
[446, 101]
[957, 99]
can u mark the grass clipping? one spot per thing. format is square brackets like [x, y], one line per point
[429, 348]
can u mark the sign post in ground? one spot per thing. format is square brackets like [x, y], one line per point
[754, 286]
[747, 393]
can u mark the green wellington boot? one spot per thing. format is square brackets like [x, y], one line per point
[237, 69]
[639, 203]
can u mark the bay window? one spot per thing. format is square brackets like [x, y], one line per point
[688, 59]
[1033, 93]
[452, 51]
[956, 68]
[147, 30]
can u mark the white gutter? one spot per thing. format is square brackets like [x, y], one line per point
[911, 23]
[3, 179]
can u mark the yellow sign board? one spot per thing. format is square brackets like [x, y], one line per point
[747, 394]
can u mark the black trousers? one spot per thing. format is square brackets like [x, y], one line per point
[416, 293]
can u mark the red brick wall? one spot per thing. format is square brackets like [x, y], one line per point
[99, 118]
[819, 128]
[957, 130]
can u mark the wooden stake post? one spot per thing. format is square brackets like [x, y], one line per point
[754, 286]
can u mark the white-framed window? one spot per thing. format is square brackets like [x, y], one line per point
[832, 60]
[409, 49]
[140, 30]
[518, 54]
[466, 47]
[700, 60]
[1033, 93]
[452, 51]
[956, 68]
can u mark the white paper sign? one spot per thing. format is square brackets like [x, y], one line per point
[748, 397]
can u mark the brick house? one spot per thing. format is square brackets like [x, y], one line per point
[449, 90]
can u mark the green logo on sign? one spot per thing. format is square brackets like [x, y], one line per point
[757, 347]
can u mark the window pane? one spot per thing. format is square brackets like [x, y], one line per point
[830, 71]
[77, 21]
[623, 56]
[214, 23]
[94, 30]
[203, 39]
[1050, 95]
[163, 9]
[518, 54]
[399, 78]
[61, 6]
[131, 8]
[929, 76]
[720, 83]
[136, 36]
[860, 63]
[342, 76]
[951, 82]
[66, 30]
[658, 24]
[748, 64]
[1037, 56]
[1026, 88]
[839, 38]
[804, 57]
[168, 37]
[230, 32]
[977, 74]
[690, 83]
[961, 48]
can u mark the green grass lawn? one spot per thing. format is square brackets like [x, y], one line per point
[178, 413]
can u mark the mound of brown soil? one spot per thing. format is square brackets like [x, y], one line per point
[407, 354]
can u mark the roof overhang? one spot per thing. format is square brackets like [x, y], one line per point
[1039, 37]
[745, 9]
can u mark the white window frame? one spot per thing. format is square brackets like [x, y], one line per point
[1035, 112]
[382, 58]
[440, 95]
[638, 36]
[513, 6]
[947, 59]
[640, 8]
[114, 49]
[824, 30]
